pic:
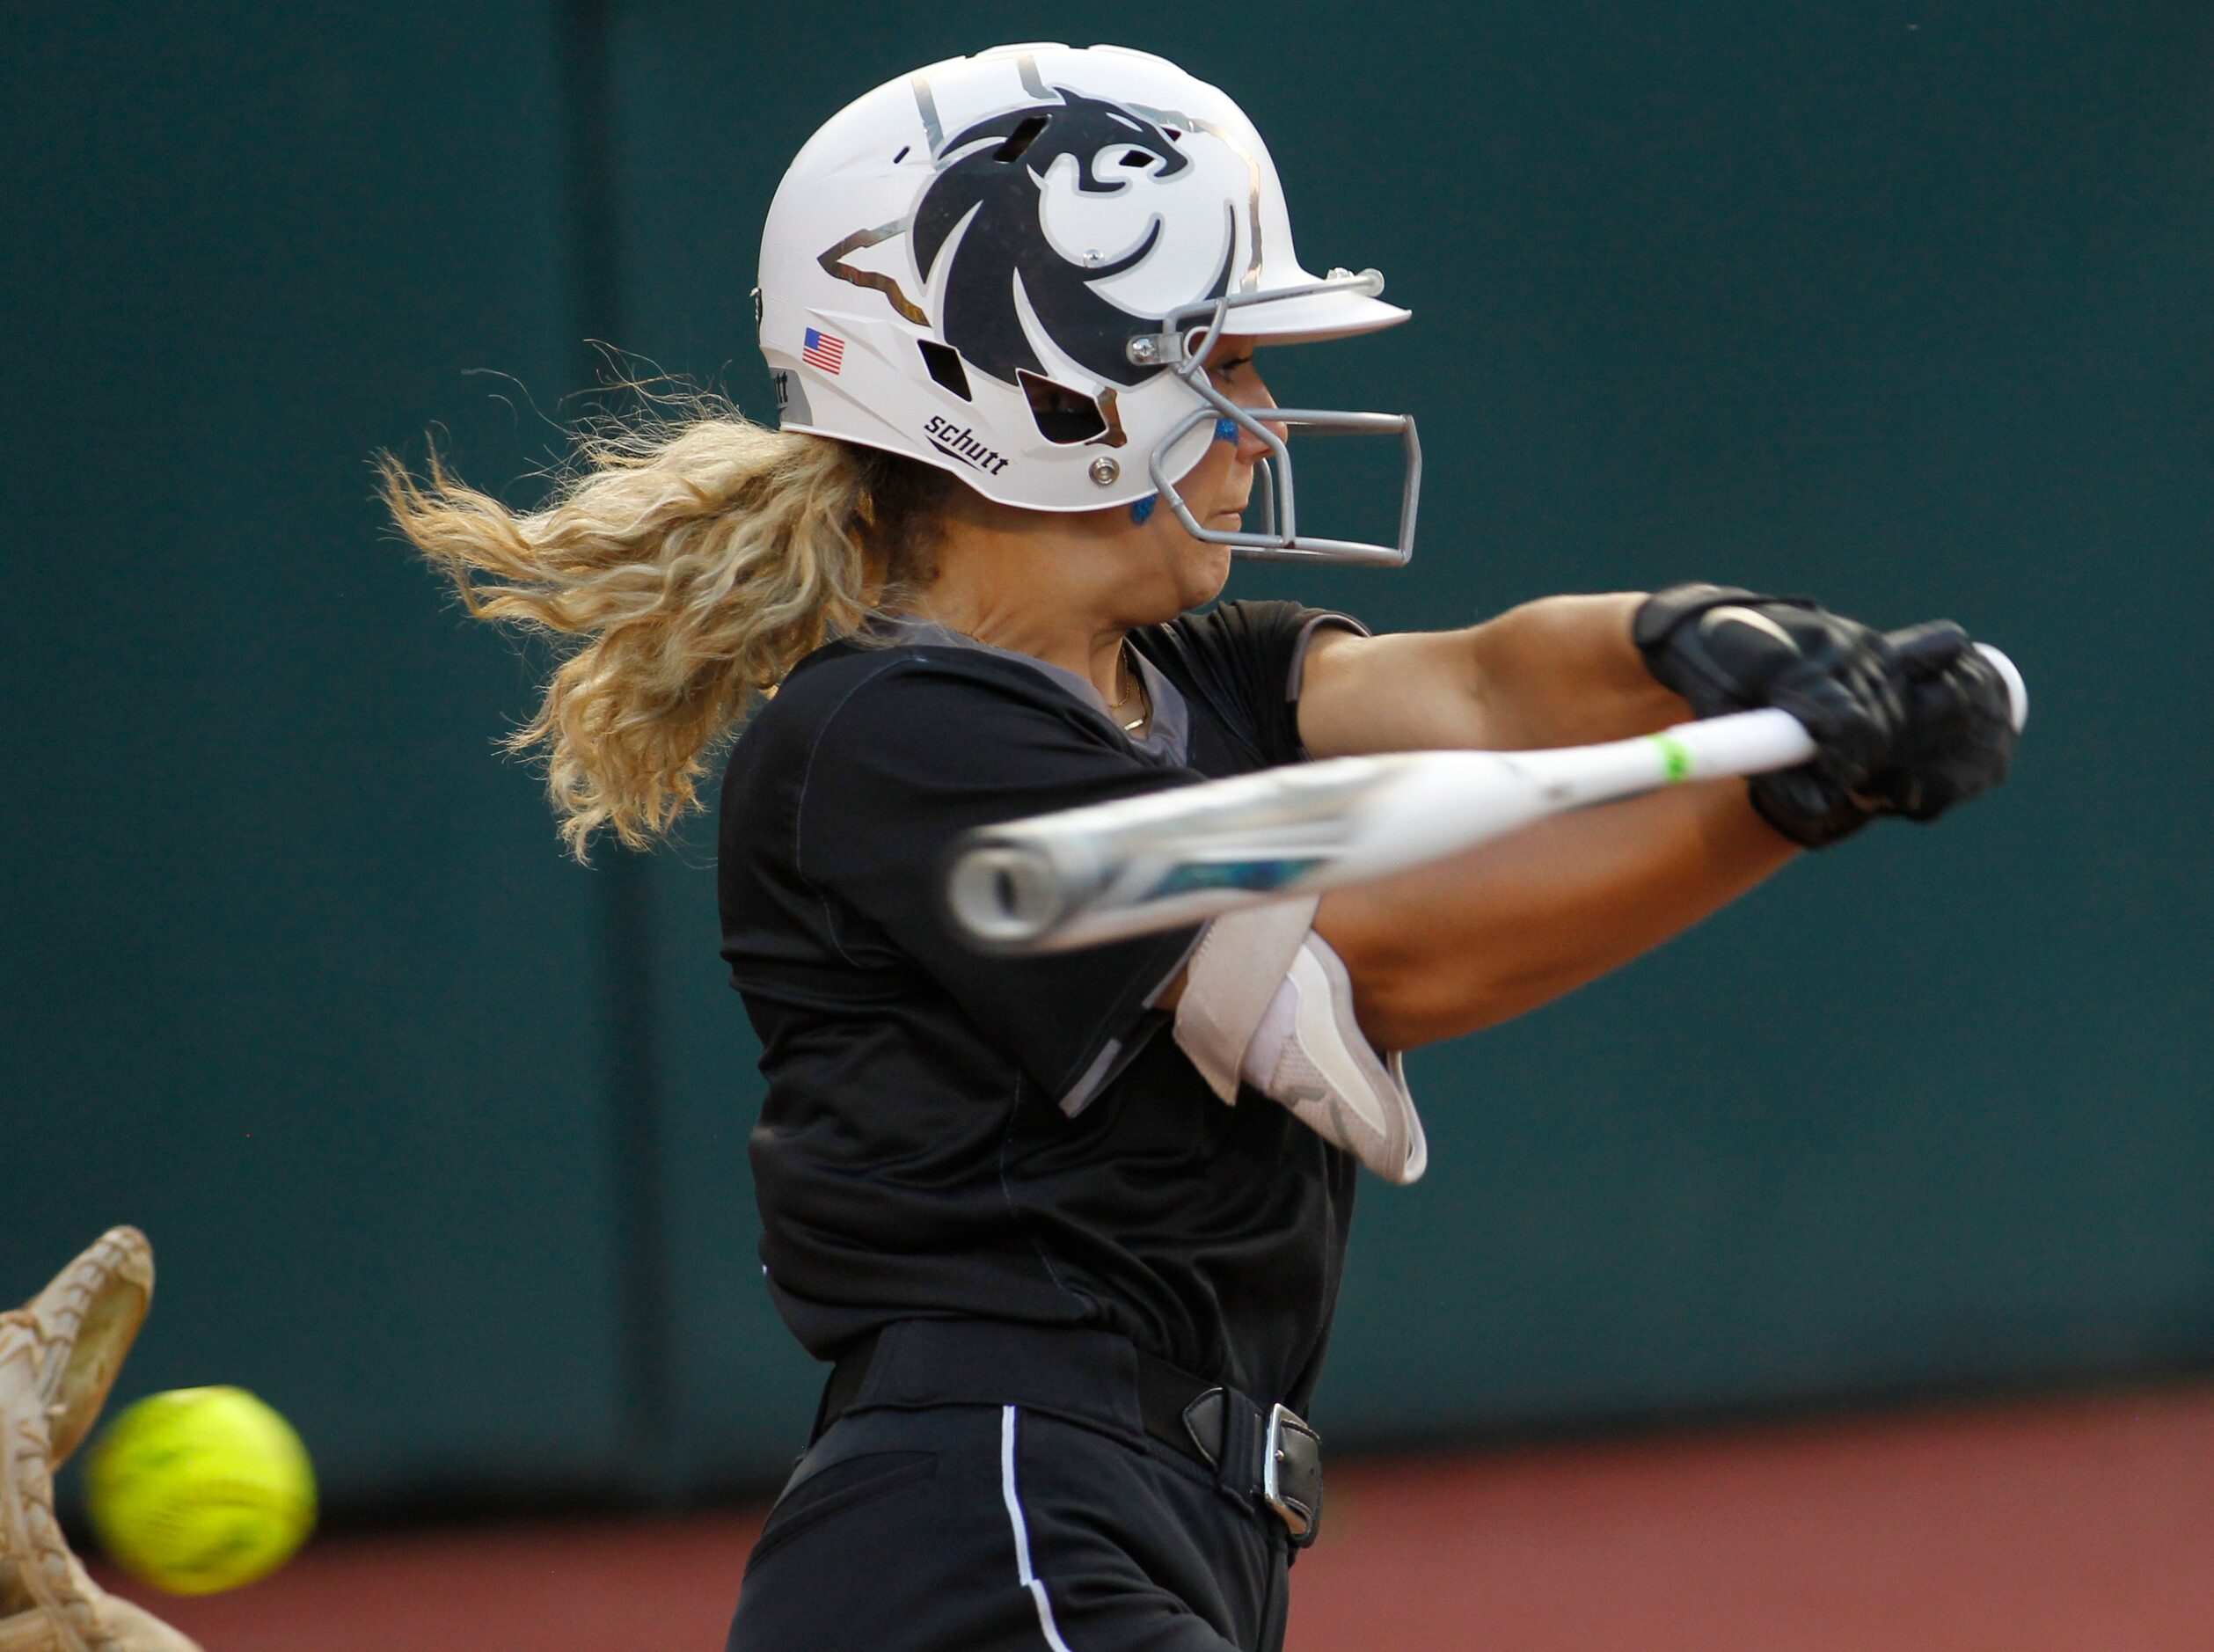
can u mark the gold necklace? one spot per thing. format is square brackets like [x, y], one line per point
[1131, 683]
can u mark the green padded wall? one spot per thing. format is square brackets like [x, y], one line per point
[294, 980]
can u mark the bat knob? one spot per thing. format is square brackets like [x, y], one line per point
[1003, 895]
[2017, 691]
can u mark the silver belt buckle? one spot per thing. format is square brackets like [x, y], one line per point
[1291, 1474]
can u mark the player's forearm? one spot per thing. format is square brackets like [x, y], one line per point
[1562, 671]
[1558, 672]
[1483, 937]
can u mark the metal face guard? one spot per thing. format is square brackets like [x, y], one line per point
[1280, 540]
[1291, 1475]
[1184, 347]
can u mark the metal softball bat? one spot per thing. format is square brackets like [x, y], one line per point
[1085, 876]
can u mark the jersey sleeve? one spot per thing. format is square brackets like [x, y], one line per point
[1247, 658]
[923, 751]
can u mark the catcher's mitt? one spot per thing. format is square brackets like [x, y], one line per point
[59, 1354]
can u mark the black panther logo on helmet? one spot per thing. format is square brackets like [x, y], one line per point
[997, 189]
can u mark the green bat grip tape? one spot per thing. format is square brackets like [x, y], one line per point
[1675, 758]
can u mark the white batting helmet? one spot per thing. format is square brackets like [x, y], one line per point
[1011, 266]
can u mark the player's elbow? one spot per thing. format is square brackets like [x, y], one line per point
[1405, 994]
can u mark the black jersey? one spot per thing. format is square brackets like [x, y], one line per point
[947, 1134]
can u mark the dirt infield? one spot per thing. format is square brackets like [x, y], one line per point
[2032, 1527]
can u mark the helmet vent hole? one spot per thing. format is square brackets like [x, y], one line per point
[1065, 416]
[1021, 138]
[943, 362]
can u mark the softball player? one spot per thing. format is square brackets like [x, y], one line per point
[1072, 1264]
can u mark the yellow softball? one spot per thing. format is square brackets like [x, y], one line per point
[199, 1489]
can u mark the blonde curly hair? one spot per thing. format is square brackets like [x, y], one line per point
[688, 563]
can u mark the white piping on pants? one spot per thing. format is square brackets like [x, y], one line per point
[1028, 1579]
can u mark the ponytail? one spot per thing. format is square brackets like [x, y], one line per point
[697, 561]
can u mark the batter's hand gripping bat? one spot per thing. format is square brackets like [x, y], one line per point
[1086, 875]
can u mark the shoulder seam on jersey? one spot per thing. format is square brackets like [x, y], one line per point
[799, 805]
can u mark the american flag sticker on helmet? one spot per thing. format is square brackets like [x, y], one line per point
[823, 350]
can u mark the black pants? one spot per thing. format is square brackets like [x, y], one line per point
[992, 1488]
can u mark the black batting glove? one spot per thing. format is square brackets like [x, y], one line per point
[1729, 650]
[1959, 741]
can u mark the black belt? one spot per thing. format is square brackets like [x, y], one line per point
[1266, 1456]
